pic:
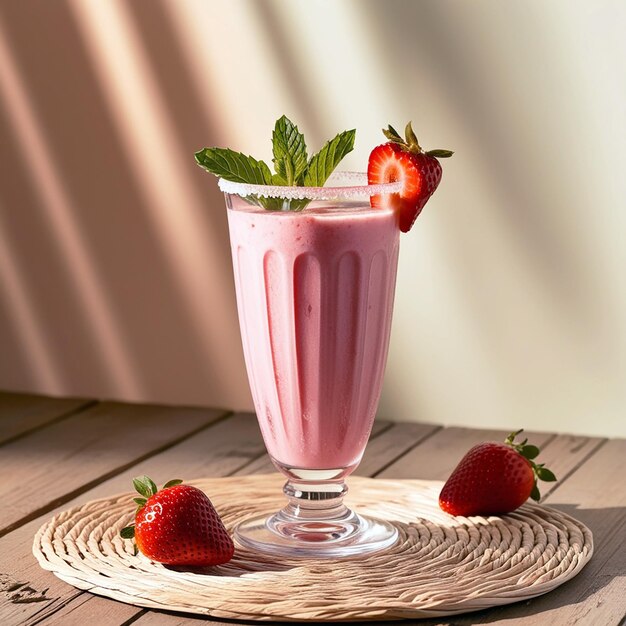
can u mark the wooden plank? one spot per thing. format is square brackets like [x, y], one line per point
[163, 618]
[564, 455]
[86, 608]
[596, 495]
[29, 594]
[22, 413]
[52, 465]
[391, 445]
[438, 455]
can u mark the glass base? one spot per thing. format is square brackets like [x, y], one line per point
[315, 524]
[355, 535]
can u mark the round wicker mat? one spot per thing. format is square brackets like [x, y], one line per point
[440, 566]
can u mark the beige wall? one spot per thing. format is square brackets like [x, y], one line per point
[114, 264]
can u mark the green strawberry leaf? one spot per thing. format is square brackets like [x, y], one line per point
[290, 154]
[152, 484]
[392, 134]
[511, 438]
[140, 501]
[323, 163]
[545, 474]
[172, 483]
[440, 154]
[142, 487]
[234, 166]
[135, 550]
[529, 451]
[145, 486]
[411, 138]
[534, 494]
[128, 532]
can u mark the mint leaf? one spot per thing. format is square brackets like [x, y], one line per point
[278, 204]
[270, 204]
[290, 161]
[296, 204]
[290, 155]
[326, 160]
[234, 166]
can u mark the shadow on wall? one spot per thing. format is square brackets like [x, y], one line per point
[115, 273]
[108, 296]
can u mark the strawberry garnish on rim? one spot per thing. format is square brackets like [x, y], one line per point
[494, 479]
[178, 525]
[404, 160]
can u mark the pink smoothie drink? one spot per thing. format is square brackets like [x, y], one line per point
[315, 296]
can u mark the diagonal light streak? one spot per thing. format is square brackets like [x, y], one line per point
[75, 257]
[25, 321]
[164, 175]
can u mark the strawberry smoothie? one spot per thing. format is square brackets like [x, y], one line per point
[315, 296]
[315, 254]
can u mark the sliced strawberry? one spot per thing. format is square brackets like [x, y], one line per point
[405, 161]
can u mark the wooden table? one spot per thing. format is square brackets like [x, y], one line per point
[56, 453]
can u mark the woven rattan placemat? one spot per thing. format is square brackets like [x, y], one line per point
[440, 566]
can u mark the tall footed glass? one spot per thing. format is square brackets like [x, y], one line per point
[315, 292]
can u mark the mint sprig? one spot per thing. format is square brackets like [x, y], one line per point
[322, 164]
[291, 163]
[290, 155]
[235, 166]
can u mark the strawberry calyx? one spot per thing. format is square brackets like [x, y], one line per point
[146, 487]
[410, 142]
[530, 452]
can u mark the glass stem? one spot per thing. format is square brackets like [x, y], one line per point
[315, 500]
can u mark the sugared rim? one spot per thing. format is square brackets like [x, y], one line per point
[341, 185]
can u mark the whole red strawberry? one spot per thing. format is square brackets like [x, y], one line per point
[404, 160]
[178, 525]
[494, 478]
